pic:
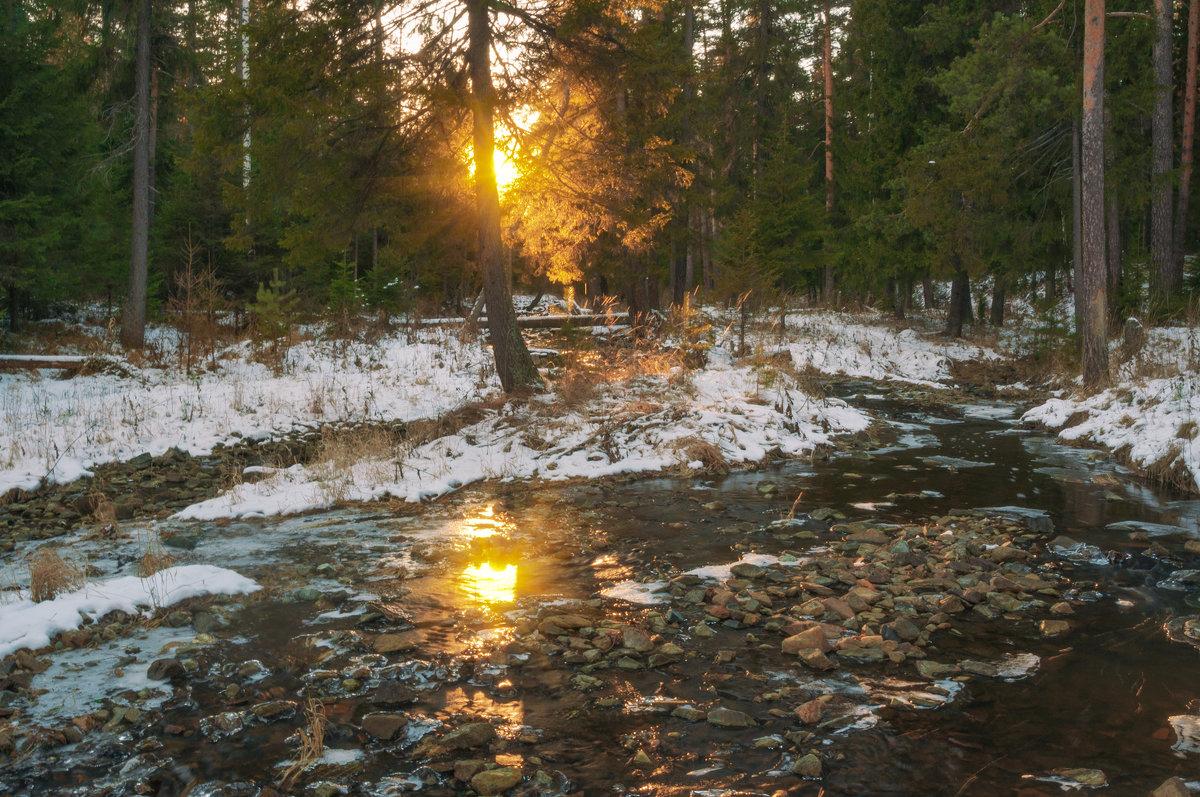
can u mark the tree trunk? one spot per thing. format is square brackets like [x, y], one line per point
[14, 306]
[514, 366]
[1094, 326]
[927, 297]
[827, 70]
[1076, 228]
[1162, 159]
[1114, 252]
[1186, 142]
[133, 320]
[997, 314]
[960, 303]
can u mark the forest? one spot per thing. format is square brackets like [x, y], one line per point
[566, 397]
[847, 153]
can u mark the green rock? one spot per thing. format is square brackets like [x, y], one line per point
[496, 781]
[807, 766]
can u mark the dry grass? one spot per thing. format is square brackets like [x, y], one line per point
[358, 457]
[693, 449]
[155, 558]
[311, 740]
[51, 574]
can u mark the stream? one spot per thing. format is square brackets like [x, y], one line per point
[406, 622]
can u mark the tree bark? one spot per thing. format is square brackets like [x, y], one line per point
[133, 320]
[997, 313]
[1162, 158]
[1094, 326]
[1187, 139]
[1114, 252]
[14, 306]
[960, 303]
[1076, 228]
[927, 295]
[514, 366]
[827, 70]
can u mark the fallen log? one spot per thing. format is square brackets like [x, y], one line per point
[65, 362]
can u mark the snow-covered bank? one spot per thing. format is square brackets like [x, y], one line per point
[1153, 423]
[840, 343]
[32, 625]
[55, 430]
[722, 412]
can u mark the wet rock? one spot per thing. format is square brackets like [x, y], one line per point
[839, 607]
[627, 663]
[703, 631]
[807, 766]
[1172, 787]
[1088, 777]
[810, 713]
[164, 669]
[393, 693]
[729, 718]
[182, 542]
[811, 639]
[563, 624]
[396, 643]
[637, 640]
[746, 570]
[1054, 627]
[901, 630]
[641, 760]
[273, 708]
[496, 781]
[384, 726]
[307, 594]
[980, 668]
[815, 659]
[689, 713]
[468, 768]
[934, 671]
[1062, 608]
[471, 735]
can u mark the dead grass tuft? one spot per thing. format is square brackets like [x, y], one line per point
[1188, 430]
[693, 449]
[155, 558]
[311, 740]
[50, 574]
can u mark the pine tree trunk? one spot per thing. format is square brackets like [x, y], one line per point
[1076, 229]
[14, 306]
[997, 313]
[1094, 326]
[927, 296]
[1114, 252]
[133, 320]
[514, 366]
[1162, 159]
[1187, 140]
[960, 303]
[827, 69]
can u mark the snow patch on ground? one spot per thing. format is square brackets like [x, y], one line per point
[31, 625]
[55, 430]
[839, 343]
[648, 423]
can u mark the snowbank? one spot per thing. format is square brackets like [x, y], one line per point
[31, 625]
[648, 424]
[839, 343]
[56, 429]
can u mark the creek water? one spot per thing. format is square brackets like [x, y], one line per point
[1116, 694]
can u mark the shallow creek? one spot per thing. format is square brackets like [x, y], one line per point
[451, 588]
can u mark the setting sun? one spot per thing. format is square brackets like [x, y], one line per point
[506, 169]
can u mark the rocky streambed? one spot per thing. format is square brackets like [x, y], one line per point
[655, 637]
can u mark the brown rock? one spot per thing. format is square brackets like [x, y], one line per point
[1172, 787]
[810, 713]
[1054, 627]
[384, 726]
[396, 643]
[838, 607]
[810, 639]
[496, 781]
[816, 659]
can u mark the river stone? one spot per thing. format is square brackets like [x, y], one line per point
[810, 713]
[980, 668]
[811, 639]
[562, 624]
[746, 570]
[396, 643]
[901, 630]
[496, 781]
[1088, 777]
[641, 760]
[934, 671]
[586, 683]
[703, 631]
[468, 768]
[807, 766]
[182, 542]
[729, 718]
[690, 713]
[383, 725]
[1172, 787]
[1054, 627]
[307, 594]
[815, 659]
[471, 735]
[164, 669]
[393, 693]
[637, 639]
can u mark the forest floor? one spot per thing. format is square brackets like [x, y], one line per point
[408, 416]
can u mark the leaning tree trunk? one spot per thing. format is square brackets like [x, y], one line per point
[514, 366]
[133, 320]
[1186, 141]
[1162, 159]
[1094, 326]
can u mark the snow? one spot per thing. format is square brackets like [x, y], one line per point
[646, 424]
[31, 625]
[839, 343]
[56, 430]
